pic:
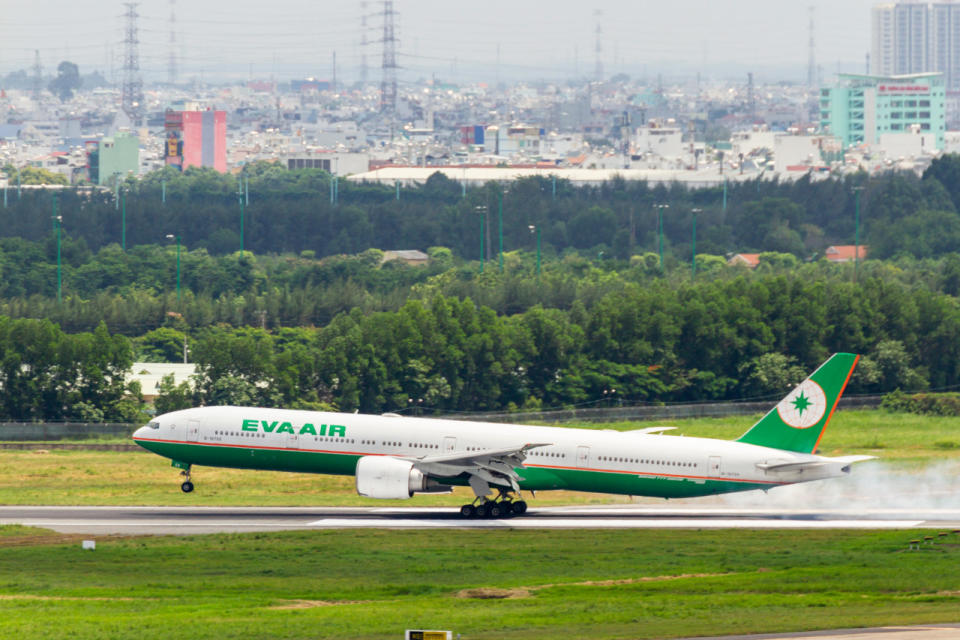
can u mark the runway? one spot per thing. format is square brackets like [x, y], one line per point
[197, 520]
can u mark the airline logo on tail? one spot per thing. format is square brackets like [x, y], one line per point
[798, 421]
[804, 407]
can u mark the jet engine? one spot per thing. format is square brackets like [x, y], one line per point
[391, 479]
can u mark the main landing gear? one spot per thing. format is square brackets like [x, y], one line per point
[187, 486]
[503, 506]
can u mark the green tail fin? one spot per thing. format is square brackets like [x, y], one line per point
[797, 423]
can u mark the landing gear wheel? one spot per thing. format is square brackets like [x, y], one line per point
[186, 487]
[494, 510]
[482, 510]
[519, 507]
[468, 511]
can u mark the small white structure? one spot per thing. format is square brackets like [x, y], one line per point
[150, 374]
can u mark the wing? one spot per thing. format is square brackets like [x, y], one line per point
[490, 466]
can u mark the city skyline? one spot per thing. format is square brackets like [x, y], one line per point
[455, 41]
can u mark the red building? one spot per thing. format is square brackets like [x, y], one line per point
[196, 139]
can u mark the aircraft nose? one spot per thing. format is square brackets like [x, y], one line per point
[140, 433]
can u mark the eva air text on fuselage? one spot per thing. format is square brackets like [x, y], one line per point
[276, 426]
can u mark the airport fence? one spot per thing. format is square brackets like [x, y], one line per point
[47, 431]
[52, 431]
[654, 412]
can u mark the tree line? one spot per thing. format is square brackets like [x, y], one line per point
[750, 336]
[291, 211]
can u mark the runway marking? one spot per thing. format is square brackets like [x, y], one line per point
[569, 523]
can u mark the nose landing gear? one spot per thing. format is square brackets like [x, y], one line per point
[186, 486]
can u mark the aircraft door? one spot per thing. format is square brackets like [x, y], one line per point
[293, 441]
[583, 456]
[713, 467]
[193, 430]
[449, 444]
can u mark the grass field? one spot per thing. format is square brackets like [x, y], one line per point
[489, 584]
[53, 476]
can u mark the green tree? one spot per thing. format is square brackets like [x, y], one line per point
[66, 82]
[172, 396]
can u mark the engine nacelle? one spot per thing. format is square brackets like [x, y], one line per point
[392, 479]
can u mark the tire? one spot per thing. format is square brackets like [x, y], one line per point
[482, 510]
[519, 507]
[186, 487]
[495, 510]
[468, 511]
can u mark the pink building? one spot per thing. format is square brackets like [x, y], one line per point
[196, 139]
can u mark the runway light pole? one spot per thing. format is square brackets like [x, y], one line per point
[660, 208]
[57, 223]
[170, 236]
[123, 223]
[693, 258]
[500, 207]
[537, 229]
[856, 236]
[482, 210]
[240, 198]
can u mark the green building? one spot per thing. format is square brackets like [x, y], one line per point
[861, 108]
[110, 158]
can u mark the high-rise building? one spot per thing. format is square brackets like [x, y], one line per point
[861, 108]
[196, 139]
[916, 37]
[110, 160]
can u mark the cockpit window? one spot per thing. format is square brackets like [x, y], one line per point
[154, 425]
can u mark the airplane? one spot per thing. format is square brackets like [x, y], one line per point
[395, 457]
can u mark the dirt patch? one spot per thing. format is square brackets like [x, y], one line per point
[490, 593]
[311, 604]
[610, 583]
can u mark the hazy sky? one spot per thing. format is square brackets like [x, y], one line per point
[451, 39]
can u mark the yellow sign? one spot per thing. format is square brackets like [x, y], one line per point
[428, 635]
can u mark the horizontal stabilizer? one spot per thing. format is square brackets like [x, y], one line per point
[793, 465]
[652, 430]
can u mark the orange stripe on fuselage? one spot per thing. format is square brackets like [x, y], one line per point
[835, 403]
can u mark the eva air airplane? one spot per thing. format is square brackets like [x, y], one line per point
[395, 456]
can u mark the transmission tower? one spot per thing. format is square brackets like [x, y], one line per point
[388, 86]
[811, 58]
[598, 48]
[37, 75]
[172, 62]
[363, 44]
[132, 96]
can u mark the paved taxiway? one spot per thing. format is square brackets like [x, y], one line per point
[919, 632]
[191, 520]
